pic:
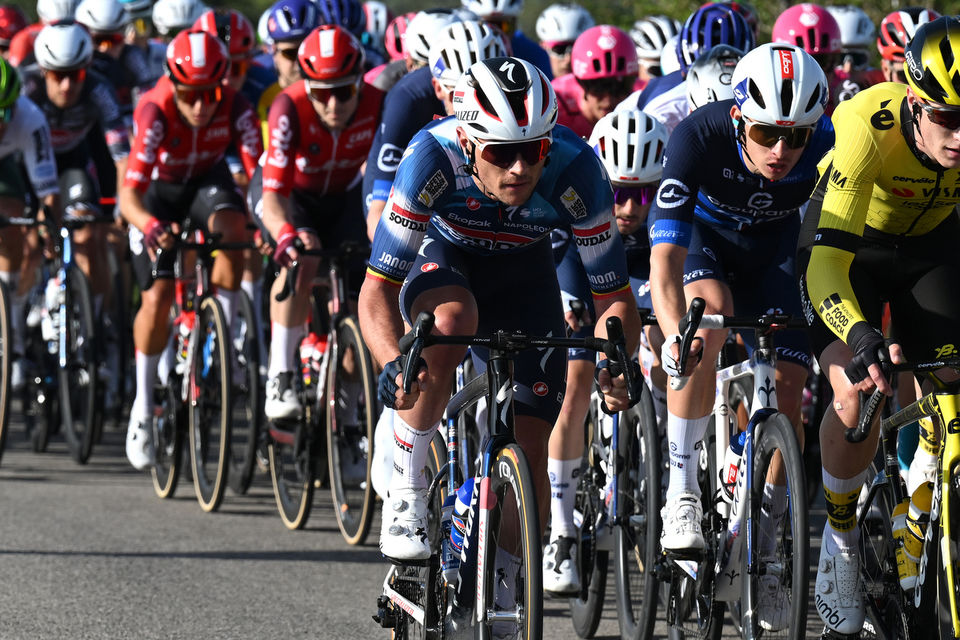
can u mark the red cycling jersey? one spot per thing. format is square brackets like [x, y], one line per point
[303, 154]
[570, 100]
[167, 148]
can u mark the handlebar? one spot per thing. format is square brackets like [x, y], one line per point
[688, 326]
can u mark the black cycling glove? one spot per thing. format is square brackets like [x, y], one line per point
[868, 348]
[615, 370]
[387, 384]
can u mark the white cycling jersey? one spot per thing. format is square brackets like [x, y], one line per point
[29, 134]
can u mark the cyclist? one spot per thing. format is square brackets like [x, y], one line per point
[467, 238]
[710, 77]
[20, 52]
[320, 132]
[170, 17]
[896, 30]
[651, 35]
[503, 15]
[350, 15]
[140, 32]
[557, 28]
[857, 33]
[386, 75]
[12, 21]
[724, 228]
[630, 144]
[183, 128]
[377, 17]
[891, 190]
[24, 140]
[604, 73]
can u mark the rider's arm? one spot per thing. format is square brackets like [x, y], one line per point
[280, 165]
[246, 134]
[150, 127]
[34, 143]
[666, 284]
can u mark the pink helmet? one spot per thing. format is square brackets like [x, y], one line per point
[604, 52]
[810, 27]
[393, 38]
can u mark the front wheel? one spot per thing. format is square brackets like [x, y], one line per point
[168, 436]
[351, 398]
[774, 561]
[210, 404]
[248, 398]
[78, 367]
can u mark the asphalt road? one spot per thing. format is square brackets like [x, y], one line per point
[90, 552]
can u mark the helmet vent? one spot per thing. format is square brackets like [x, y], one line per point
[814, 99]
[946, 51]
[786, 97]
[754, 91]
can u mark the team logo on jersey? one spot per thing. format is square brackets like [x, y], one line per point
[473, 204]
[573, 204]
[760, 200]
[672, 194]
[436, 185]
[903, 192]
[389, 158]
[541, 388]
[427, 267]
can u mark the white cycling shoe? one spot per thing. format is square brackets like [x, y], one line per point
[140, 448]
[281, 402]
[682, 530]
[773, 609]
[560, 575]
[403, 532]
[838, 595]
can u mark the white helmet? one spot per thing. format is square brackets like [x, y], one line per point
[50, 11]
[490, 8]
[857, 30]
[709, 77]
[422, 30]
[170, 16]
[460, 45]
[669, 62]
[102, 16]
[780, 84]
[505, 99]
[650, 35]
[263, 34]
[563, 23]
[63, 47]
[630, 143]
[378, 17]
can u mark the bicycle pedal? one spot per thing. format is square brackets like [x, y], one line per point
[830, 634]
[407, 563]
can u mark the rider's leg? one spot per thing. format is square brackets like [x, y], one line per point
[228, 265]
[566, 446]
[11, 258]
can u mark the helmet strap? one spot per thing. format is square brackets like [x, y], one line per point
[470, 166]
[742, 138]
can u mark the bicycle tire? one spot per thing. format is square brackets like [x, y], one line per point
[637, 542]
[6, 363]
[950, 534]
[211, 399]
[293, 459]
[168, 437]
[789, 566]
[592, 563]
[248, 399]
[78, 379]
[510, 476]
[351, 420]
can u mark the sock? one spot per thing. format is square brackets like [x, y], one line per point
[563, 494]
[841, 495]
[248, 288]
[228, 301]
[923, 467]
[142, 408]
[772, 510]
[409, 455]
[660, 407]
[284, 343]
[683, 435]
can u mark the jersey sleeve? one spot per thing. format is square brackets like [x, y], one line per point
[246, 133]
[854, 168]
[149, 130]
[583, 193]
[672, 211]
[284, 137]
[111, 119]
[38, 150]
[425, 178]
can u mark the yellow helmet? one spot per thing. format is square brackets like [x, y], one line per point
[932, 61]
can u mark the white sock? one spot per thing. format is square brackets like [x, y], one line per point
[142, 408]
[772, 510]
[683, 436]
[923, 468]
[228, 301]
[563, 494]
[841, 495]
[410, 448]
[284, 343]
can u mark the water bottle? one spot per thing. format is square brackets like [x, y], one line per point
[306, 357]
[731, 464]
[449, 551]
[50, 313]
[183, 343]
[463, 535]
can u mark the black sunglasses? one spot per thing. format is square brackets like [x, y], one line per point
[290, 54]
[561, 49]
[503, 155]
[608, 86]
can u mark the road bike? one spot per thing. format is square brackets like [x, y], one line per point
[429, 599]
[747, 552]
[932, 608]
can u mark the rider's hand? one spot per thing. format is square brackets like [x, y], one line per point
[157, 235]
[670, 357]
[870, 352]
[261, 245]
[285, 253]
[614, 387]
[390, 385]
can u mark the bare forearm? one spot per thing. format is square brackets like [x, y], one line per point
[380, 320]
[623, 306]
[132, 209]
[666, 286]
[274, 212]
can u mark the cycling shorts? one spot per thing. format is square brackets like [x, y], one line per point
[197, 199]
[513, 291]
[916, 275]
[12, 184]
[759, 267]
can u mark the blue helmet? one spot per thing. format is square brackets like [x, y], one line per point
[345, 13]
[292, 20]
[708, 26]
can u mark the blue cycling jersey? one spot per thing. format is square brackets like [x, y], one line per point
[704, 176]
[526, 49]
[257, 80]
[656, 86]
[433, 187]
[408, 107]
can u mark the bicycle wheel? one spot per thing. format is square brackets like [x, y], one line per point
[168, 436]
[211, 399]
[592, 562]
[293, 458]
[948, 541]
[6, 362]
[637, 541]
[247, 400]
[351, 419]
[514, 528]
[78, 368]
[778, 556]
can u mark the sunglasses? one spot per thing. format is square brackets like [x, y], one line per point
[190, 96]
[75, 75]
[289, 53]
[946, 118]
[608, 86]
[561, 49]
[642, 193]
[505, 26]
[768, 135]
[323, 94]
[108, 39]
[504, 154]
[239, 68]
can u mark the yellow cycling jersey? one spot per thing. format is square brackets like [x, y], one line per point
[876, 181]
[263, 109]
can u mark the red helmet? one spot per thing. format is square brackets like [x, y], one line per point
[196, 58]
[233, 29]
[393, 38]
[12, 20]
[898, 28]
[330, 55]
